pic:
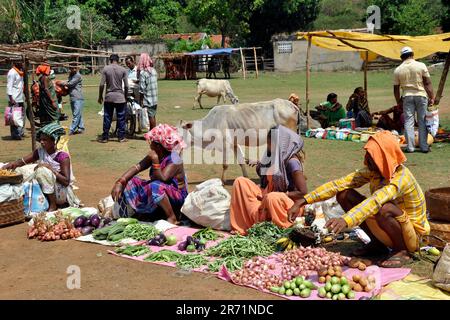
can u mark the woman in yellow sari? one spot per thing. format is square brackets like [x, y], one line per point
[282, 182]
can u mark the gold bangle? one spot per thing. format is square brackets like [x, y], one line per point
[23, 161]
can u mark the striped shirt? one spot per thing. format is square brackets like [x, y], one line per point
[148, 86]
[402, 190]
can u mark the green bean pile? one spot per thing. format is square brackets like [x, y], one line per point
[207, 234]
[191, 261]
[232, 264]
[242, 247]
[163, 256]
[134, 251]
[140, 231]
[266, 230]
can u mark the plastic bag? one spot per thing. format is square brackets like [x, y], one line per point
[209, 206]
[34, 200]
[14, 116]
[441, 274]
[432, 121]
[144, 121]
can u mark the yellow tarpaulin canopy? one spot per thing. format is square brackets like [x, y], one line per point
[388, 46]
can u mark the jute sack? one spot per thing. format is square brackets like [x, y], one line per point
[441, 274]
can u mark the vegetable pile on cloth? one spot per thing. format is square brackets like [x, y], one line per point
[271, 269]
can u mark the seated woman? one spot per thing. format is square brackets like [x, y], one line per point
[167, 187]
[329, 112]
[394, 215]
[53, 172]
[282, 182]
[396, 123]
[358, 108]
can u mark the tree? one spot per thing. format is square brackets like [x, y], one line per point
[162, 18]
[445, 20]
[341, 14]
[225, 17]
[277, 16]
[409, 17]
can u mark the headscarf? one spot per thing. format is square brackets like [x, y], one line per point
[145, 62]
[53, 130]
[43, 69]
[385, 152]
[288, 144]
[167, 136]
[20, 72]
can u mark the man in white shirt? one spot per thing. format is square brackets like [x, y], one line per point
[133, 82]
[417, 94]
[14, 91]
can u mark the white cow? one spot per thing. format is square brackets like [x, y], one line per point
[215, 88]
[246, 116]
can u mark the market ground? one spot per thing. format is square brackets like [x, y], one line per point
[34, 270]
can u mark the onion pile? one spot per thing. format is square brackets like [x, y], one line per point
[51, 230]
[257, 272]
[260, 273]
[301, 261]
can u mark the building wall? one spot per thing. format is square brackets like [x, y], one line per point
[321, 59]
[137, 47]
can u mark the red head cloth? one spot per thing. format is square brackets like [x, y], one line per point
[43, 69]
[145, 62]
[167, 136]
[384, 149]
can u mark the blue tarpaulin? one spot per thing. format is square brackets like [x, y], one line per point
[212, 52]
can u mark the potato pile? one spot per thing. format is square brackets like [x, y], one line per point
[325, 274]
[357, 264]
[362, 283]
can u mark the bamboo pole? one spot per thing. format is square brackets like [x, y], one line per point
[366, 61]
[443, 80]
[29, 107]
[256, 61]
[308, 76]
[243, 63]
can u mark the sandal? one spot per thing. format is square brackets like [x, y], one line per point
[399, 261]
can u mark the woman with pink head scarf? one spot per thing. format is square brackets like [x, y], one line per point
[167, 187]
[148, 87]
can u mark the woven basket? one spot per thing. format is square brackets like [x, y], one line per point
[438, 204]
[439, 230]
[16, 179]
[11, 212]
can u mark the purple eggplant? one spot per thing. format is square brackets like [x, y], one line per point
[153, 242]
[182, 246]
[95, 220]
[87, 223]
[87, 230]
[80, 222]
[190, 240]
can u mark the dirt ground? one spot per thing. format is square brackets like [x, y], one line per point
[30, 269]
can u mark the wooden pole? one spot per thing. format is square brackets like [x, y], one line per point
[29, 107]
[366, 61]
[308, 76]
[243, 63]
[443, 80]
[256, 61]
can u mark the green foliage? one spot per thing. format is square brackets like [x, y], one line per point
[188, 46]
[445, 17]
[409, 17]
[341, 14]
[277, 16]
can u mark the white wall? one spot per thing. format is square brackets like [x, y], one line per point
[321, 59]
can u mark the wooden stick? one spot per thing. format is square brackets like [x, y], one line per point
[243, 63]
[366, 61]
[29, 107]
[256, 62]
[308, 76]
[443, 80]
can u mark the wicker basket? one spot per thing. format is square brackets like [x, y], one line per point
[16, 179]
[438, 204]
[439, 230]
[11, 212]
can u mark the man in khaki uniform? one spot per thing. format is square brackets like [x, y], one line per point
[417, 94]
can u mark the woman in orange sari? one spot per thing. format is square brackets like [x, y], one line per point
[282, 183]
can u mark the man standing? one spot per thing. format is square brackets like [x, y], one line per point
[115, 77]
[148, 87]
[414, 79]
[76, 100]
[14, 91]
[133, 82]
